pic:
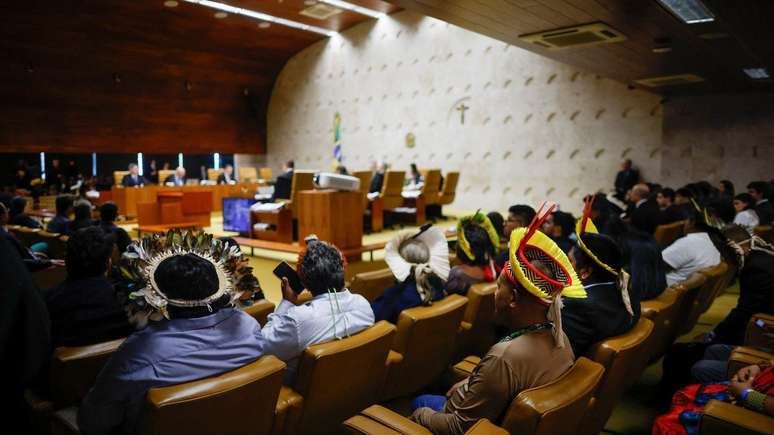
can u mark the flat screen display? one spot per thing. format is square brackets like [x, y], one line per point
[236, 214]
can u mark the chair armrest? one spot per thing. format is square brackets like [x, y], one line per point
[65, 422]
[464, 368]
[755, 336]
[287, 412]
[393, 420]
[744, 356]
[394, 358]
[485, 427]
[722, 418]
[465, 326]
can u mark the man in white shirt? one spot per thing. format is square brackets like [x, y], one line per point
[333, 312]
[691, 253]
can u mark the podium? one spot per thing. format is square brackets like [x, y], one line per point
[335, 217]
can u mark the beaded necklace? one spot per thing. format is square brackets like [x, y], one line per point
[527, 329]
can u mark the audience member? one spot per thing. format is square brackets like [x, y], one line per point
[641, 259]
[643, 213]
[626, 178]
[227, 177]
[18, 216]
[133, 178]
[200, 335]
[746, 216]
[108, 212]
[560, 226]
[608, 310]
[378, 180]
[498, 222]
[477, 243]
[284, 182]
[670, 211]
[692, 252]
[760, 191]
[176, 179]
[82, 217]
[519, 215]
[535, 351]
[420, 263]
[33, 261]
[683, 196]
[333, 313]
[58, 224]
[84, 308]
[726, 189]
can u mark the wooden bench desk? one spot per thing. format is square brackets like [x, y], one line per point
[163, 228]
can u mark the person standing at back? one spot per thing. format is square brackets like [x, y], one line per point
[625, 179]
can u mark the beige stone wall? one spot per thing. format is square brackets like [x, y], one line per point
[535, 129]
[719, 137]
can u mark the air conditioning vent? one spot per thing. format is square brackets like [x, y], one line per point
[678, 79]
[321, 11]
[578, 36]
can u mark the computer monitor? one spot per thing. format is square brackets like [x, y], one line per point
[236, 214]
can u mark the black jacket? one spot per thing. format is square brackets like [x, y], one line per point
[625, 180]
[128, 181]
[756, 295]
[171, 179]
[24, 220]
[222, 179]
[120, 237]
[765, 212]
[283, 185]
[671, 214]
[376, 183]
[646, 217]
[599, 316]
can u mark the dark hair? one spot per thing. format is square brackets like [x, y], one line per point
[108, 211]
[414, 169]
[88, 252]
[641, 258]
[716, 236]
[668, 193]
[290, 164]
[63, 204]
[683, 191]
[761, 187]
[728, 186]
[722, 208]
[747, 199]
[524, 211]
[565, 221]
[480, 246]
[497, 221]
[82, 210]
[605, 249]
[321, 268]
[18, 204]
[189, 277]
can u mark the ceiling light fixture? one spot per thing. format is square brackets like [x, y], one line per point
[757, 73]
[689, 11]
[264, 25]
[171, 3]
[262, 17]
[355, 8]
[220, 15]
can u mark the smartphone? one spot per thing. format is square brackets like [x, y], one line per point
[283, 270]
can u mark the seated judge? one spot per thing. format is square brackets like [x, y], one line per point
[84, 308]
[535, 352]
[227, 177]
[198, 334]
[177, 179]
[334, 312]
[477, 244]
[608, 310]
[133, 178]
[284, 183]
[420, 263]
[378, 180]
[58, 224]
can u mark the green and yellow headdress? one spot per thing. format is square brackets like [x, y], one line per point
[481, 220]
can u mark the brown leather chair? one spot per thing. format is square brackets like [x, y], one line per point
[372, 284]
[329, 397]
[424, 345]
[238, 402]
[163, 174]
[74, 369]
[365, 183]
[756, 336]
[624, 359]
[302, 180]
[720, 286]
[378, 420]
[57, 244]
[554, 408]
[265, 173]
[763, 231]
[118, 177]
[248, 174]
[721, 418]
[392, 189]
[431, 189]
[478, 328]
[449, 190]
[668, 233]
[213, 174]
[260, 310]
[28, 236]
[715, 276]
[664, 311]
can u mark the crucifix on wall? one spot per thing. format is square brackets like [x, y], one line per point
[462, 108]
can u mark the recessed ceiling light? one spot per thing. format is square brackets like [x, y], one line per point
[310, 2]
[713, 35]
[264, 25]
[171, 3]
[220, 15]
[355, 8]
[262, 17]
[757, 73]
[689, 11]
[662, 49]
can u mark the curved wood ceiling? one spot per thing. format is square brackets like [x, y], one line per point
[118, 75]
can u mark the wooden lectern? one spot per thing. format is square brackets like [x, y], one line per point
[335, 217]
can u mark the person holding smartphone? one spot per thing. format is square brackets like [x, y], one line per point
[333, 313]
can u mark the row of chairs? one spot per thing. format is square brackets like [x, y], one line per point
[666, 234]
[388, 361]
[57, 243]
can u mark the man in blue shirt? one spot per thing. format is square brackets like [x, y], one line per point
[201, 337]
[58, 224]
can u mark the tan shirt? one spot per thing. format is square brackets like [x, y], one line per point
[510, 367]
